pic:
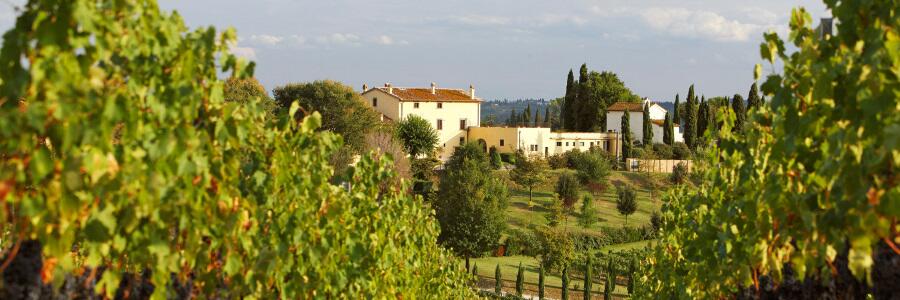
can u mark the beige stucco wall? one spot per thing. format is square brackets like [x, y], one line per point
[451, 113]
[614, 123]
[541, 141]
[493, 135]
[388, 105]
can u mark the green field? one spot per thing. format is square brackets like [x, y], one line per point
[522, 214]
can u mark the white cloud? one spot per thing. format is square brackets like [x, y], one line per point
[384, 40]
[702, 24]
[480, 20]
[266, 39]
[339, 38]
[245, 52]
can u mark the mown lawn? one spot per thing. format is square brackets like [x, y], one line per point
[509, 268]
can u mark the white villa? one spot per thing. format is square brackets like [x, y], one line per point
[456, 115]
[615, 112]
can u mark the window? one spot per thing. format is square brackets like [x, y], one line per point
[440, 105]
[375, 102]
[533, 148]
[559, 144]
[582, 143]
[501, 142]
[440, 124]
[462, 140]
[592, 144]
[567, 144]
[415, 104]
[462, 124]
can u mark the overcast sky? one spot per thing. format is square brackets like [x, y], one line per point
[507, 49]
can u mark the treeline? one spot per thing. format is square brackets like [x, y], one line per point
[583, 108]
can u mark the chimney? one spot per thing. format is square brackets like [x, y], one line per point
[365, 87]
[390, 88]
[433, 91]
[472, 92]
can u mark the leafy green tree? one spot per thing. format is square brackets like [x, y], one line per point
[568, 103]
[587, 279]
[676, 118]
[471, 203]
[589, 213]
[668, 130]
[808, 190]
[498, 281]
[520, 281]
[557, 248]
[648, 127]
[475, 271]
[602, 89]
[626, 136]
[343, 110]
[591, 167]
[737, 106]
[529, 172]
[565, 284]
[557, 213]
[541, 282]
[567, 187]
[753, 100]
[118, 141]
[417, 135]
[247, 90]
[626, 202]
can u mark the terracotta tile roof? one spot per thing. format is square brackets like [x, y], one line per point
[661, 123]
[425, 95]
[623, 106]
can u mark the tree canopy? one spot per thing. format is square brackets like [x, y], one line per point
[417, 135]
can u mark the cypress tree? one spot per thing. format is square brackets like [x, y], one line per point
[626, 135]
[581, 98]
[631, 270]
[520, 281]
[498, 281]
[587, 279]
[740, 113]
[690, 97]
[702, 119]
[568, 103]
[511, 122]
[611, 274]
[547, 121]
[526, 116]
[753, 100]
[565, 284]
[668, 130]
[537, 117]
[677, 115]
[541, 283]
[648, 127]
[690, 120]
[475, 271]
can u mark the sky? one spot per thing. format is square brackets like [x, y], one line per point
[507, 49]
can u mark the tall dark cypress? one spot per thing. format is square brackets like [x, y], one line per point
[582, 99]
[676, 116]
[547, 121]
[526, 116]
[498, 281]
[565, 284]
[520, 280]
[690, 120]
[647, 138]
[668, 130]
[702, 118]
[690, 97]
[568, 104]
[626, 135]
[537, 117]
[541, 283]
[512, 122]
[587, 279]
[740, 113]
[753, 100]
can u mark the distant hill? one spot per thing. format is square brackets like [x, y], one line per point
[499, 110]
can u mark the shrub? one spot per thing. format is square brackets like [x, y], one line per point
[664, 151]
[588, 216]
[509, 158]
[496, 160]
[557, 248]
[522, 242]
[558, 161]
[498, 281]
[679, 174]
[626, 203]
[656, 220]
[681, 151]
[567, 188]
[591, 167]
